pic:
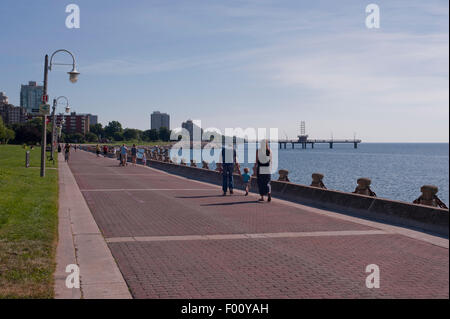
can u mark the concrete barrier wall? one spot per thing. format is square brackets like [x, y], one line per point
[425, 218]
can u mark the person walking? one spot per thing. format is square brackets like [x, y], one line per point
[144, 158]
[133, 154]
[123, 154]
[105, 150]
[246, 180]
[228, 159]
[97, 150]
[67, 152]
[263, 170]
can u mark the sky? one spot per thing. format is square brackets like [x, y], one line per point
[257, 63]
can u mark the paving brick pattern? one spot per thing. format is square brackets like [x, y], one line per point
[320, 267]
[308, 267]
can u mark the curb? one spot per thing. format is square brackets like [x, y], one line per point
[81, 243]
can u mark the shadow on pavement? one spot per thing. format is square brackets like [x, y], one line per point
[232, 203]
[200, 196]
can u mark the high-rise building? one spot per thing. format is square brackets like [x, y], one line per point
[158, 120]
[12, 114]
[93, 119]
[31, 96]
[74, 123]
[3, 98]
[190, 126]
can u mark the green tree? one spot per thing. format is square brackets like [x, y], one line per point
[112, 128]
[2, 129]
[130, 134]
[150, 135]
[164, 134]
[29, 132]
[97, 129]
[118, 136]
[91, 137]
[9, 135]
[75, 138]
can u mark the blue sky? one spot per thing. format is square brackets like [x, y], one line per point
[243, 63]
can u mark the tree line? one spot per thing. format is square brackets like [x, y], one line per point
[30, 133]
[114, 131]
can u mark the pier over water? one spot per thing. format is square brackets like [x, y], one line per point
[304, 141]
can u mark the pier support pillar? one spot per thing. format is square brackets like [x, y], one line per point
[331, 145]
[355, 145]
[312, 145]
[292, 145]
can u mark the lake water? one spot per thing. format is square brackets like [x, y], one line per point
[397, 170]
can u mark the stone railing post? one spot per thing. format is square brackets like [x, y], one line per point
[363, 187]
[219, 167]
[205, 165]
[317, 180]
[283, 175]
[429, 197]
[182, 162]
[193, 163]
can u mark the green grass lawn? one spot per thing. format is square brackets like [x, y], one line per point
[28, 224]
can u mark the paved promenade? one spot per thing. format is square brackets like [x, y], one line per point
[178, 238]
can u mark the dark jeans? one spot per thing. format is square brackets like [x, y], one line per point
[227, 177]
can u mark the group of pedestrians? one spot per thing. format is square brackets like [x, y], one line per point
[229, 161]
[263, 164]
[123, 155]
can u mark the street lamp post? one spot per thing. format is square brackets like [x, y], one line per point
[73, 77]
[55, 104]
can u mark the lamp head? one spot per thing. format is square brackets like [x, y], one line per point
[73, 75]
[67, 109]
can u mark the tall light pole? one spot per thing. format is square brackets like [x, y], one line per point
[55, 104]
[73, 77]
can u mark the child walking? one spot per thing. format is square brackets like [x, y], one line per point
[246, 180]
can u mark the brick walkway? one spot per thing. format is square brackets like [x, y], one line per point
[177, 238]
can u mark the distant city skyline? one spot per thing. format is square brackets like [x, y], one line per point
[244, 64]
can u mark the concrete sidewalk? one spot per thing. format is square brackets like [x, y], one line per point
[81, 243]
[177, 238]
